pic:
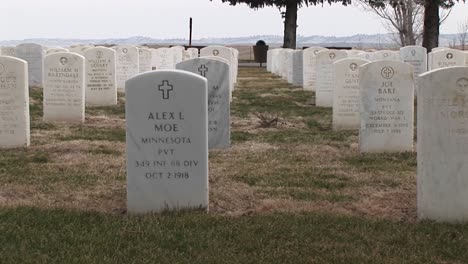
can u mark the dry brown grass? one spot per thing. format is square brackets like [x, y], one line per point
[257, 175]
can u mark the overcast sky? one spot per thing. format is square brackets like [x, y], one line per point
[22, 19]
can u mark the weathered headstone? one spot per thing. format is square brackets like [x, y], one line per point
[217, 73]
[297, 66]
[64, 87]
[8, 51]
[144, 59]
[387, 108]
[346, 100]
[33, 54]
[55, 50]
[14, 106]
[416, 56]
[165, 59]
[167, 141]
[309, 68]
[447, 58]
[325, 82]
[100, 77]
[386, 55]
[80, 49]
[127, 64]
[442, 145]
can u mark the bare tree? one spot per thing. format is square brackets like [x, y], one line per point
[462, 33]
[403, 18]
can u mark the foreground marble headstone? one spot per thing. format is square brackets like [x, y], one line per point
[325, 82]
[101, 89]
[442, 146]
[33, 54]
[14, 106]
[217, 73]
[167, 141]
[127, 64]
[387, 107]
[346, 100]
[64, 87]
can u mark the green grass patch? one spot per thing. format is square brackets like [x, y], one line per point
[59, 236]
[390, 162]
[83, 132]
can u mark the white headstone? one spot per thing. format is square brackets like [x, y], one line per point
[144, 59]
[309, 68]
[416, 56]
[14, 106]
[346, 100]
[354, 53]
[217, 73]
[193, 52]
[386, 55]
[127, 64]
[64, 87]
[325, 82]
[366, 56]
[167, 141]
[225, 53]
[442, 145]
[55, 50]
[33, 54]
[447, 58]
[178, 52]
[387, 106]
[100, 77]
[297, 66]
[8, 51]
[164, 59]
[80, 49]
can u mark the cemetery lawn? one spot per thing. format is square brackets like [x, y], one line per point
[289, 190]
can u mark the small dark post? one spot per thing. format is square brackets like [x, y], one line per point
[190, 37]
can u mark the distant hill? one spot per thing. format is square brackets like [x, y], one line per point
[358, 41]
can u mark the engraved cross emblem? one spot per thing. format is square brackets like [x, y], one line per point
[165, 88]
[203, 70]
[387, 72]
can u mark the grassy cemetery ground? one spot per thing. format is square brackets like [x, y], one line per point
[290, 190]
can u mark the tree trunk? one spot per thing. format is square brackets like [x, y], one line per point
[431, 24]
[290, 26]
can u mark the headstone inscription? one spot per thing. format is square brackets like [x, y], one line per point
[416, 56]
[100, 77]
[14, 106]
[387, 106]
[346, 100]
[442, 145]
[167, 141]
[217, 73]
[64, 87]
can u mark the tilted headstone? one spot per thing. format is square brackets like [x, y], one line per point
[442, 145]
[14, 106]
[447, 58]
[167, 141]
[325, 82]
[144, 59]
[346, 100]
[64, 87]
[127, 64]
[309, 68]
[387, 107]
[100, 77]
[8, 51]
[416, 56]
[33, 54]
[217, 73]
